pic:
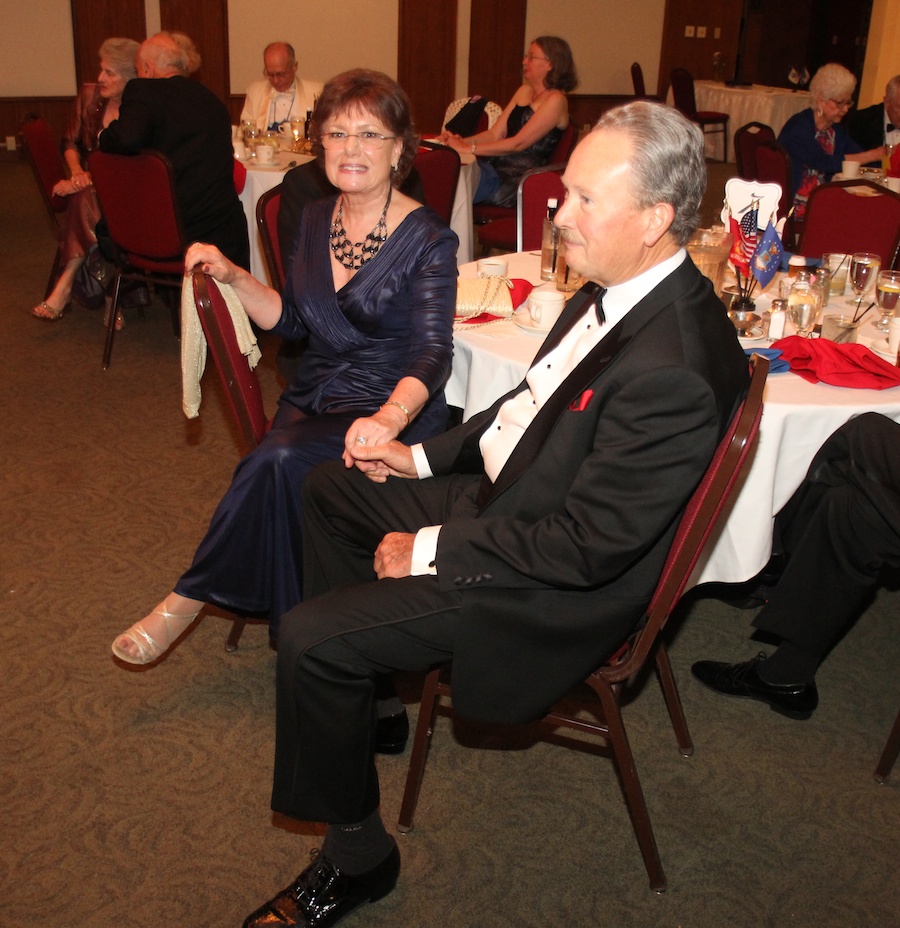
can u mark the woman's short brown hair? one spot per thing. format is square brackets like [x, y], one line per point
[562, 75]
[375, 93]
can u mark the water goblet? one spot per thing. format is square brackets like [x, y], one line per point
[803, 311]
[864, 269]
[887, 293]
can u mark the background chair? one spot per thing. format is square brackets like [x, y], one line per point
[849, 216]
[889, 755]
[492, 112]
[267, 207]
[484, 212]
[525, 231]
[137, 197]
[241, 384]
[43, 153]
[773, 165]
[746, 141]
[683, 96]
[438, 168]
[694, 529]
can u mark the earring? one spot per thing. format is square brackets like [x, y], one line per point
[394, 168]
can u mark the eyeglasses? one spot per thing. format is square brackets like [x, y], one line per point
[277, 75]
[843, 104]
[368, 141]
[535, 58]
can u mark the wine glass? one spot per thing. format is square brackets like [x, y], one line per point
[887, 292]
[803, 311]
[864, 269]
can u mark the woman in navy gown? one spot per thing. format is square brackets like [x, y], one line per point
[372, 290]
[527, 133]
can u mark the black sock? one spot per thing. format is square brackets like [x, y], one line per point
[789, 664]
[357, 847]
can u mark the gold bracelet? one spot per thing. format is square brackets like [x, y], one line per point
[399, 406]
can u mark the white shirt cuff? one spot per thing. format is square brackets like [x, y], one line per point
[420, 459]
[425, 551]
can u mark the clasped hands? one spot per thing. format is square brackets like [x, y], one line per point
[80, 180]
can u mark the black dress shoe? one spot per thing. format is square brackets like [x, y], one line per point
[391, 734]
[322, 895]
[795, 700]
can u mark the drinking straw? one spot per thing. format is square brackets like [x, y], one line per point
[858, 315]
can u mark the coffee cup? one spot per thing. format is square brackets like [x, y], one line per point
[545, 307]
[492, 267]
[285, 130]
[849, 169]
[265, 153]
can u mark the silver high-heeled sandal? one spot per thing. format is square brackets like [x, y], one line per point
[149, 649]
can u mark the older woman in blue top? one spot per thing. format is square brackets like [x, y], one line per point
[816, 141]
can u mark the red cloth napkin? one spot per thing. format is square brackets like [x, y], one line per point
[816, 359]
[518, 294]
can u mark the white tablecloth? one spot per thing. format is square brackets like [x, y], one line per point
[772, 106]
[798, 417]
[260, 179]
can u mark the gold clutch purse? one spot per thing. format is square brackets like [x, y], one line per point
[478, 295]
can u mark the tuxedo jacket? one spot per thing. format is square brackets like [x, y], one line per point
[191, 127]
[558, 558]
[866, 126]
[258, 100]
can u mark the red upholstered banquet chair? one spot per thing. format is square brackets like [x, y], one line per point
[137, 197]
[267, 222]
[849, 216]
[773, 165]
[705, 506]
[746, 141]
[43, 153]
[438, 167]
[683, 97]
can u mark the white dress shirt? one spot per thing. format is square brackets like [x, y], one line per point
[264, 105]
[513, 418]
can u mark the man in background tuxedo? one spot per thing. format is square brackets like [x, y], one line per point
[526, 543]
[281, 94]
[190, 125]
[878, 125]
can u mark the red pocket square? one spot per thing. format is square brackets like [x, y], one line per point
[581, 403]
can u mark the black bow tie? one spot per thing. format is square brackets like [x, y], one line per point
[598, 304]
[889, 127]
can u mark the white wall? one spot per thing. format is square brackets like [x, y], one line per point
[36, 49]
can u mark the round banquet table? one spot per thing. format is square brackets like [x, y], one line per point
[798, 416]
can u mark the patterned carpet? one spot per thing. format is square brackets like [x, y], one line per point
[140, 799]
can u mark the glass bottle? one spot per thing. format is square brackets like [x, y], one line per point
[549, 242]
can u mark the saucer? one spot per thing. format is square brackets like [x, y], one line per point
[267, 166]
[880, 347]
[526, 324]
[755, 335]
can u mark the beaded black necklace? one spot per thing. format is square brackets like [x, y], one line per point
[354, 255]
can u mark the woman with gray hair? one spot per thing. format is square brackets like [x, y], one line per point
[814, 138]
[97, 107]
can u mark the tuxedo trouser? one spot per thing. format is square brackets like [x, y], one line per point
[838, 530]
[347, 632]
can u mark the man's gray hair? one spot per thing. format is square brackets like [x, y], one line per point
[668, 165]
[892, 91]
[166, 54]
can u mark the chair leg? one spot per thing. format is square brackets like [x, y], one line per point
[111, 324]
[419, 754]
[889, 755]
[673, 700]
[234, 636]
[631, 787]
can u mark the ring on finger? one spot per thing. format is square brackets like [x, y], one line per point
[362, 440]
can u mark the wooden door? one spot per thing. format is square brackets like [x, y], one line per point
[496, 46]
[95, 21]
[206, 22]
[426, 53]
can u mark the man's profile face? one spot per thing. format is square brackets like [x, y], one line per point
[279, 69]
[603, 230]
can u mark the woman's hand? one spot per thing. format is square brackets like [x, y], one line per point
[80, 180]
[378, 429]
[211, 261]
[378, 462]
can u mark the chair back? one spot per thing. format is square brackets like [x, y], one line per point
[637, 80]
[746, 140]
[565, 146]
[137, 197]
[773, 166]
[536, 187]
[438, 167]
[489, 115]
[697, 522]
[240, 382]
[849, 216]
[267, 221]
[683, 92]
[43, 153]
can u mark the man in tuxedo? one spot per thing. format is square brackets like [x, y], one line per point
[878, 125]
[281, 94]
[524, 544]
[164, 110]
[837, 532]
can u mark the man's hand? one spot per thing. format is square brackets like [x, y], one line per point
[378, 462]
[393, 557]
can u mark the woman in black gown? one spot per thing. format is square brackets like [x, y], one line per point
[372, 289]
[527, 133]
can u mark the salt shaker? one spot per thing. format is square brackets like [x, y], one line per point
[776, 319]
